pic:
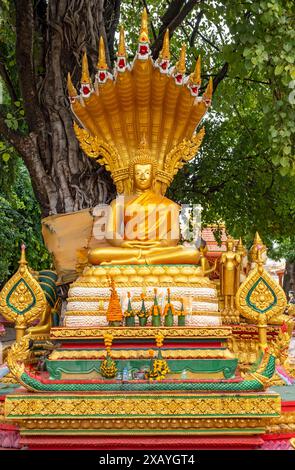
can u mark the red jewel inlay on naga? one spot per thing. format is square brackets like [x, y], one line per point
[85, 89]
[102, 76]
[143, 50]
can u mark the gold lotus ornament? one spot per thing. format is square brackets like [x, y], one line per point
[22, 299]
[260, 295]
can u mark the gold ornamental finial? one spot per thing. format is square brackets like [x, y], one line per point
[165, 52]
[257, 246]
[180, 66]
[85, 70]
[102, 62]
[144, 31]
[195, 77]
[122, 47]
[240, 247]
[257, 239]
[23, 259]
[71, 89]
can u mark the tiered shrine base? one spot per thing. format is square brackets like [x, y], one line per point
[211, 406]
[130, 420]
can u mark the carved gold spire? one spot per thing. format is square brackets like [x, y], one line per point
[180, 66]
[71, 89]
[257, 247]
[165, 52]
[195, 77]
[114, 312]
[257, 239]
[23, 260]
[144, 31]
[85, 70]
[209, 90]
[122, 47]
[102, 62]
[240, 246]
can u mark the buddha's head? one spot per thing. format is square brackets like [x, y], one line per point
[142, 169]
[143, 176]
[230, 244]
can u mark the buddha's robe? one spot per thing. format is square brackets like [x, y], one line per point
[144, 229]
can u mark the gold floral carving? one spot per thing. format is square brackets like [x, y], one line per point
[285, 423]
[160, 425]
[260, 294]
[22, 299]
[105, 406]
[181, 154]
[146, 332]
[142, 354]
[107, 155]
[147, 275]
[17, 357]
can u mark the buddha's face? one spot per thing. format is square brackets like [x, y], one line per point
[143, 176]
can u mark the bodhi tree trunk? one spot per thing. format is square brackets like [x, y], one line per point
[63, 178]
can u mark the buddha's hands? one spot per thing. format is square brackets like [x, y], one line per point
[145, 245]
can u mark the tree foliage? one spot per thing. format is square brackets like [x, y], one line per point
[19, 219]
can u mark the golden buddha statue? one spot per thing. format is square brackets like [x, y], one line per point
[150, 224]
[147, 100]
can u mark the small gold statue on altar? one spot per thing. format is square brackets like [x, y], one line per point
[229, 275]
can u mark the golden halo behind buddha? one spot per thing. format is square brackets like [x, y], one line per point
[146, 99]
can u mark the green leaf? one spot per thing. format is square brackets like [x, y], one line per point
[287, 150]
[279, 69]
[284, 171]
[5, 157]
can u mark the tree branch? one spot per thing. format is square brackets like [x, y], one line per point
[220, 76]
[111, 20]
[172, 18]
[251, 80]
[7, 80]
[203, 37]
[102, 28]
[196, 28]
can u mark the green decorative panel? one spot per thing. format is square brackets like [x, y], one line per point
[270, 297]
[227, 367]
